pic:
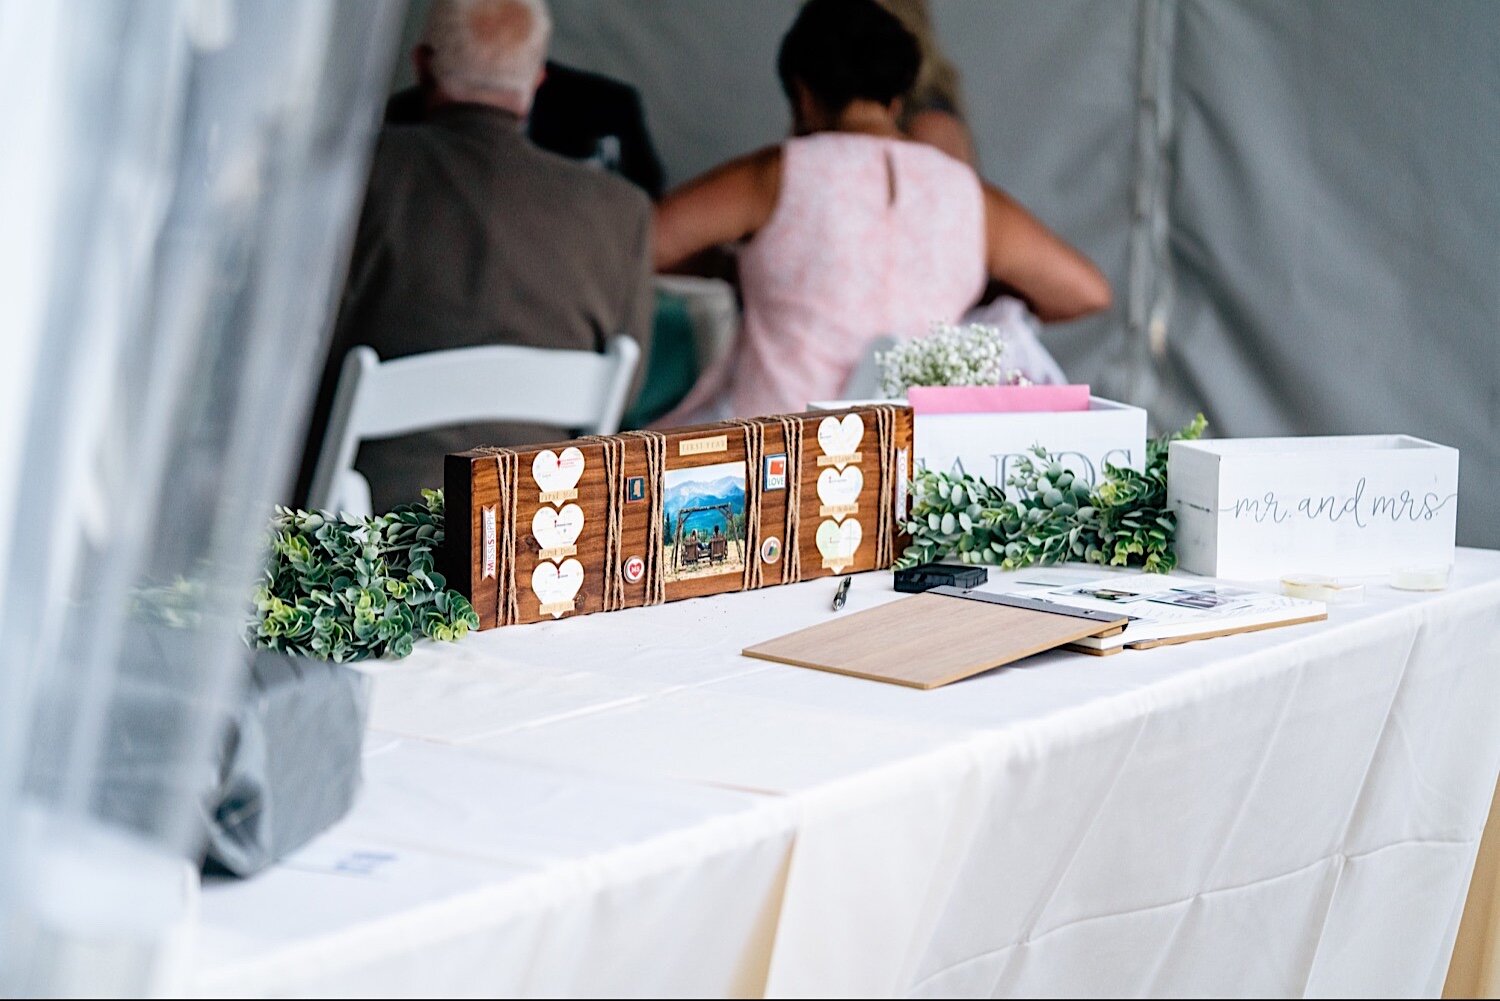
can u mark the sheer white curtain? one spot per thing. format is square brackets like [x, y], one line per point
[178, 181]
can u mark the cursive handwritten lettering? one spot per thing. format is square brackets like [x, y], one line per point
[1356, 505]
[1259, 510]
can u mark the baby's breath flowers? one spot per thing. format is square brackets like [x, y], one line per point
[951, 355]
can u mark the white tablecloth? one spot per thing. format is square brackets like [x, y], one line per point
[620, 804]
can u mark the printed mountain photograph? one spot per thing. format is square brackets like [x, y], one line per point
[704, 521]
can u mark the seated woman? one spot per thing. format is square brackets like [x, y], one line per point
[932, 111]
[853, 231]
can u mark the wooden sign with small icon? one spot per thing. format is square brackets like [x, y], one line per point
[620, 521]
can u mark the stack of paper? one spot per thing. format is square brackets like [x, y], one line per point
[1162, 608]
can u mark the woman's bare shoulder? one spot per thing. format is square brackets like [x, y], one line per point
[728, 203]
[755, 169]
[750, 183]
[945, 131]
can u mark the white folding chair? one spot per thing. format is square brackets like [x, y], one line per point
[580, 390]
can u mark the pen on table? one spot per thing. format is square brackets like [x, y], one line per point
[843, 593]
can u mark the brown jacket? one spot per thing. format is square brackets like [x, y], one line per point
[471, 235]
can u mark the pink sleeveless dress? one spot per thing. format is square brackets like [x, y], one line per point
[869, 237]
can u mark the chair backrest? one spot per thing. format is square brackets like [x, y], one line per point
[580, 390]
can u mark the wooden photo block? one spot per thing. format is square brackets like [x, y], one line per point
[560, 532]
[705, 492]
[840, 491]
[852, 464]
[635, 519]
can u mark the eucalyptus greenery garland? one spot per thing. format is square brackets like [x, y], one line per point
[1123, 521]
[346, 588]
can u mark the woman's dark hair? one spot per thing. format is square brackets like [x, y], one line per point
[847, 50]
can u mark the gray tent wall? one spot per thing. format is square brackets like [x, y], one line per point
[1298, 204]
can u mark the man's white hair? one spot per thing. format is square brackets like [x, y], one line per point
[489, 49]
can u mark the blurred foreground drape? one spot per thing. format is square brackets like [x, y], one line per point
[178, 183]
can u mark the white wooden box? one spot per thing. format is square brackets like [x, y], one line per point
[1362, 505]
[989, 445]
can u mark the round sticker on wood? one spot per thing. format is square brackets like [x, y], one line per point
[635, 569]
[770, 550]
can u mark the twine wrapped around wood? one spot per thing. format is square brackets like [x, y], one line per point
[614, 519]
[885, 520]
[755, 449]
[656, 464]
[507, 602]
[791, 561]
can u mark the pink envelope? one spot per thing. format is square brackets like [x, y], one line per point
[997, 399]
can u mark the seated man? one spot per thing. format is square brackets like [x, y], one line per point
[577, 114]
[470, 235]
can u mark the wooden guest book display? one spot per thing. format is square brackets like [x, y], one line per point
[602, 523]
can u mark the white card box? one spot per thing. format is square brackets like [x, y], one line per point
[1360, 505]
[990, 445]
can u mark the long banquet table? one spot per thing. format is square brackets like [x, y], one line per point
[621, 804]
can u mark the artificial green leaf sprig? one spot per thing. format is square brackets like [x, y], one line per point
[346, 588]
[1055, 517]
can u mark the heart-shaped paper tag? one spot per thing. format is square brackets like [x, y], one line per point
[838, 543]
[557, 531]
[839, 491]
[841, 437]
[555, 585]
[556, 475]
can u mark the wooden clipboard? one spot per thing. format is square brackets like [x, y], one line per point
[937, 637]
